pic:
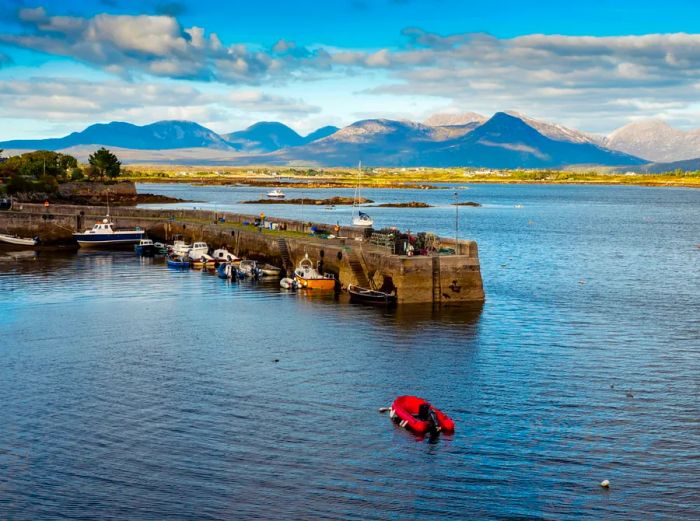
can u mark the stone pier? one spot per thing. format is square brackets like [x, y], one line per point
[440, 279]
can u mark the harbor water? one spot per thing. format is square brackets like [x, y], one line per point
[134, 391]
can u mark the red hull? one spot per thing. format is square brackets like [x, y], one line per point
[404, 411]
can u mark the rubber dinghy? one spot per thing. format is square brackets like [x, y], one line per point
[419, 416]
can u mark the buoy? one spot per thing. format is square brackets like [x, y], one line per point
[382, 410]
[276, 360]
[629, 394]
[605, 483]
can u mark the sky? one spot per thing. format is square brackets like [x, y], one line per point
[594, 66]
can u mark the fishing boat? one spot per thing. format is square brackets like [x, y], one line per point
[197, 250]
[20, 241]
[177, 261]
[419, 416]
[249, 268]
[104, 234]
[161, 249]
[145, 248]
[223, 255]
[204, 262]
[179, 246]
[308, 277]
[370, 296]
[276, 194]
[361, 219]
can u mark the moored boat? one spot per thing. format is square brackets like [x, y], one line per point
[223, 255]
[177, 261]
[145, 248]
[197, 250]
[287, 283]
[308, 277]
[370, 296]
[20, 241]
[268, 270]
[418, 415]
[104, 234]
[179, 246]
[276, 194]
[249, 268]
[204, 261]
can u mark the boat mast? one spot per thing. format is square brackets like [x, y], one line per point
[356, 198]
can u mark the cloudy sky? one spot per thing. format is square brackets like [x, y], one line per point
[590, 65]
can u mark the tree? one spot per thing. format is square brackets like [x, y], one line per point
[105, 163]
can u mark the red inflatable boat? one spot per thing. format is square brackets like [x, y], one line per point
[417, 415]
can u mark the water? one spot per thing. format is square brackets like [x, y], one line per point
[131, 391]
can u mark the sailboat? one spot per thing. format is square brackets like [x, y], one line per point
[361, 219]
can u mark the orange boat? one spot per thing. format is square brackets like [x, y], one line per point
[307, 276]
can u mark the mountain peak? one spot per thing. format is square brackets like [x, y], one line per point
[449, 119]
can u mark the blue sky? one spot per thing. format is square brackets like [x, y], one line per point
[593, 65]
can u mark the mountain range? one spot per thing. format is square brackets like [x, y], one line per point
[506, 140]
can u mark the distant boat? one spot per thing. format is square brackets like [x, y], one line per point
[268, 270]
[361, 219]
[249, 268]
[223, 255]
[21, 241]
[370, 296]
[276, 194]
[197, 250]
[104, 234]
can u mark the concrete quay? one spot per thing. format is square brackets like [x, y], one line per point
[353, 256]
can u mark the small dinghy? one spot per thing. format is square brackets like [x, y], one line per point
[419, 416]
[20, 241]
[176, 261]
[370, 296]
[287, 283]
[226, 271]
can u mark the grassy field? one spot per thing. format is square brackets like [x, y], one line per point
[399, 177]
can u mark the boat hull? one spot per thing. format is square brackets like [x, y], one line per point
[404, 412]
[108, 239]
[19, 241]
[317, 284]
[368, 296]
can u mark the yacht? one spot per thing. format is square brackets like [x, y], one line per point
[104, 234]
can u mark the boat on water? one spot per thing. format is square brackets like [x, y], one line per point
[204, 262]
[177, 261]
[20, 241]
[198, 250]
[145, 248]
[287, 283]
[361, 218]
[276, 194]
[179, 246]
[104, 234]
[268, 270]
[362, 295]
[309, 278]
[249, 268]
[223, 255]
[161, 249]
[418, 415]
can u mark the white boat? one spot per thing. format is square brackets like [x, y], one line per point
[104, 234]
[223, 255]
[287, 283]
[249, 268]
[14, 239]
[268, 270]
[198, 250]
[276, 194]
[180, 247]
[361, 219]
[308, 277]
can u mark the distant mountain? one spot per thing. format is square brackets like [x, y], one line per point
[558, 132]
[321, 133]
[655, 140]
[161, 135]
[265, 136]
[445, 119]
[687, 165]
[504, 141]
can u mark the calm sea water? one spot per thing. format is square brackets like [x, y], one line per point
[131, 391]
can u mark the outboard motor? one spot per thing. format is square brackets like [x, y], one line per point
[425, 413]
